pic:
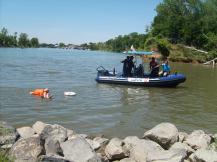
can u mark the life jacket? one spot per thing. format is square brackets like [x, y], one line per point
[38, 92]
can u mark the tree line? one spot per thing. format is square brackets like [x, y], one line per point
[187, 22]
[22, 41]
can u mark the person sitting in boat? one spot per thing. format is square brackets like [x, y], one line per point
[139, 71]
[166, 68]
[154, 67]
[125, 66]
[130, 66]
[43, 93]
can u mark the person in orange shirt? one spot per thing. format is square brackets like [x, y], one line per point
[43, 93]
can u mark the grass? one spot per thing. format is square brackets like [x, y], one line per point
[4, 156]
[5, 131]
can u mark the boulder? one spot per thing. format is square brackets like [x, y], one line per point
[8, 134]
[94, 144]
[142, 150]
[198, 139]
[52, 158]
[52, 147]
[78, 150]
[72, 136]
[55, 132]
[7, 146]
[138, 149]
[70, 133]
[127, 160]
[25, 132]
[164, 134]
[103, 158]
[203, 155]
[39, 126]
[182, 136]
[114, 150]
[27, 149]
[182, 146]
[102, 141]
[167, 156]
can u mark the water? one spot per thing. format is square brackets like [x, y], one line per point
[113, 110]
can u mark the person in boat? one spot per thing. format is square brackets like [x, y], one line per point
[43, 93]
[130, 66]
[166, 68]
[125, 66]
[154, 67]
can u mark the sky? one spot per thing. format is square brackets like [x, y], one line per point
[76, 21]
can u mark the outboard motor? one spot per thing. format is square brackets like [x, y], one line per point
[102, 71]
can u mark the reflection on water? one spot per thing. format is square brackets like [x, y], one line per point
[100, 108]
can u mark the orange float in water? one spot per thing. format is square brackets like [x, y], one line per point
[40, 92]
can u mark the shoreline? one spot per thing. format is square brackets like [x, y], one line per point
[164, 143]
[172, 59]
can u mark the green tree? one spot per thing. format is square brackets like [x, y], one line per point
[61, 45]
[34, 42]
[23, 40]
[3, 37]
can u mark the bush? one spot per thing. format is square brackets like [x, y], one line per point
[163, 47]
[212, 55]
[150, 43]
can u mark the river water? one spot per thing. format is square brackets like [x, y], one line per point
[112, 110]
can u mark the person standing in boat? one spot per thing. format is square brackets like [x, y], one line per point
[130, 66]
[125, 66]
[154, 67]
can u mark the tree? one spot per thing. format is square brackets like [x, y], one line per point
[61, 45]
[23, 40]
[34, 42]
[3, 37]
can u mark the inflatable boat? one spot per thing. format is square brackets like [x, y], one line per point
[139, 78]
[172, 80]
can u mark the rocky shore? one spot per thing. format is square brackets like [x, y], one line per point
[54, 143]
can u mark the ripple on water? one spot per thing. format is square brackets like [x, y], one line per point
[99, 108]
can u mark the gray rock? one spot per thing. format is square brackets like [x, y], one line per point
[82, 135]
[186, 161]
[102, 158]
[145, 150]
[52, 147]
[25, 132]
[164, 134]
[182, 136]
[114, 150]
[198, 139]
[167, 156]
[52, 158]
[203, 155]
[8, 134]
[39, 126]
[55, 132]
[94, 144]
[78, 150]
[139, 149]
[102, 141]
[127, 160]
[8, 146]
[182, 146]
[27, 149]
[70, 133]
[72, 136]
